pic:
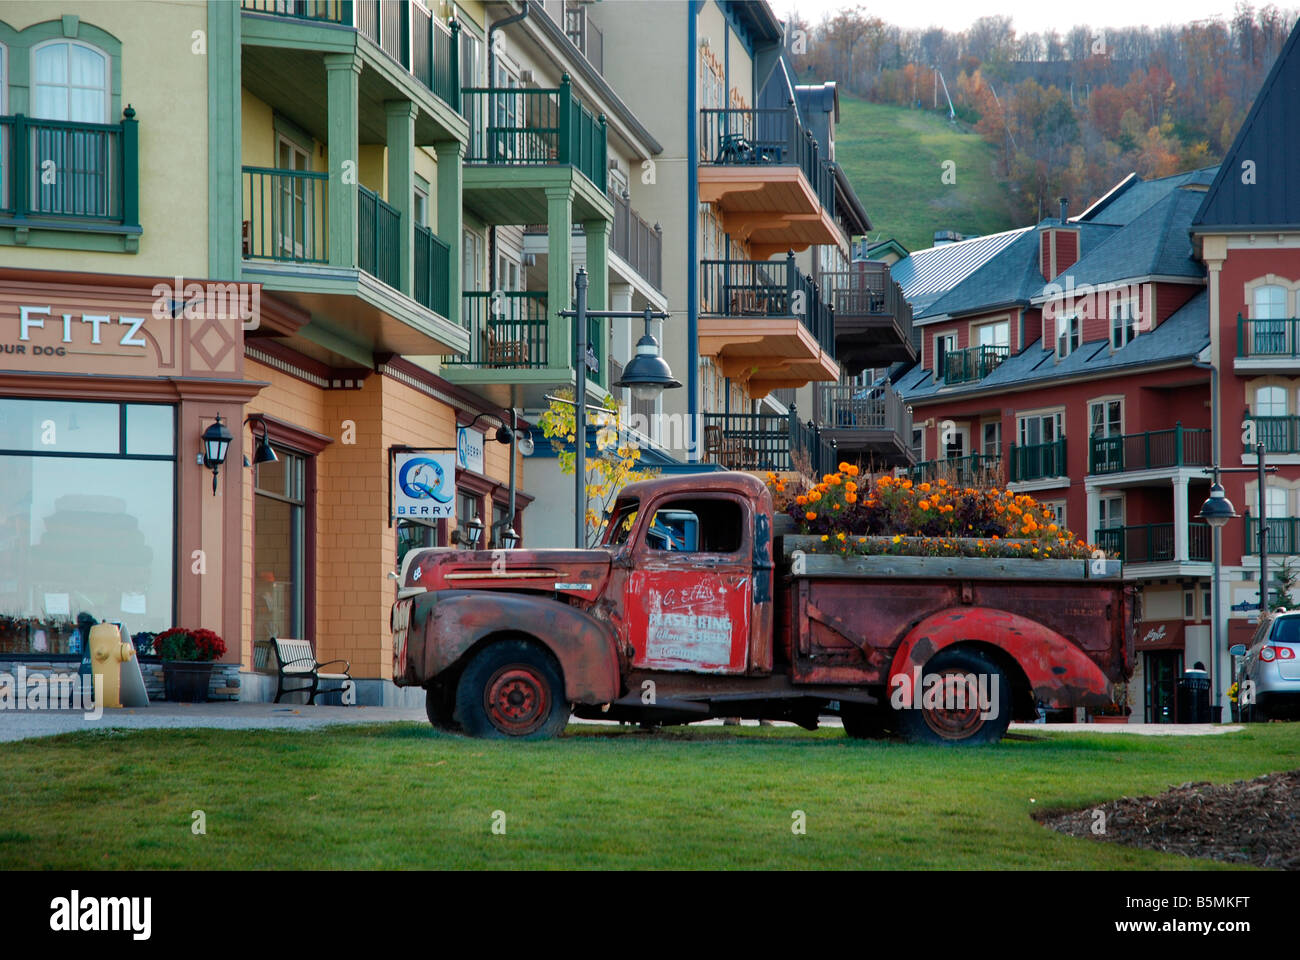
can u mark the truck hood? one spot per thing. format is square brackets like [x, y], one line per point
[580, 573]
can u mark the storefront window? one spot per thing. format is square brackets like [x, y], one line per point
[414, 536]
[87, 520]
[279, 547]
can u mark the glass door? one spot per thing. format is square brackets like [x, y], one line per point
[280, 547]
[1162, 669]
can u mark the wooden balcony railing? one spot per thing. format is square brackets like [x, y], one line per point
[766, 441]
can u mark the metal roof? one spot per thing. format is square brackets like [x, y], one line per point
[926, 275]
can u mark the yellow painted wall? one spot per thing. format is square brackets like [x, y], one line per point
[167, 84]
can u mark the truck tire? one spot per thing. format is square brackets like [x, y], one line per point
[440, 705]
[860, 721]
[512, 689]
[962, 725]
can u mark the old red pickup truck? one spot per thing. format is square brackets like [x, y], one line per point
[692, 608]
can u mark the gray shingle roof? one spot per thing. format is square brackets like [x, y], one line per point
[1133, 196]
[1181, 337]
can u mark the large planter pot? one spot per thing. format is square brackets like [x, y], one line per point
[186, 681]
[1100, 719]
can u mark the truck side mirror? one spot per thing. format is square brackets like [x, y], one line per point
[1237, 650]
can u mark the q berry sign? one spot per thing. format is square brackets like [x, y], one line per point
[425, 485]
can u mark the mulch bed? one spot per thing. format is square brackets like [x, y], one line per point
[1248, 821]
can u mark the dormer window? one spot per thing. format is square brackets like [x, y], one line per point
[1123, 323]
[1067, 335]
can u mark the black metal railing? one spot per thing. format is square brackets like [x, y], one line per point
[1152, 450]
[506, 329]
[640, 244]
[1282, 539]
[762, 136]
[767, 441]
[766, 288]
[1154, 542]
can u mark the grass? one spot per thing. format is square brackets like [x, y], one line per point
[406, 796]
[894, 159]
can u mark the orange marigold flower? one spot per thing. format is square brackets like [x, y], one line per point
[826, 477]
[837, 506]
[801, 499]
[810, 515]
[1051, 528]
[814, 496]
[835, 481]
[924, 504]
[852, 471]
[851, 497]
[850, 486]
[924, 488]
[844, 466]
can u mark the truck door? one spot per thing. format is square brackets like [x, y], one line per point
[690, 591]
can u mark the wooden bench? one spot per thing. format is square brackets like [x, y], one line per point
[296, 661]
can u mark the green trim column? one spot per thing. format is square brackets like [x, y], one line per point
[225, 172]
[597, 238]
[342, 73]
[401, 181]
[559, 273]
[451, 163]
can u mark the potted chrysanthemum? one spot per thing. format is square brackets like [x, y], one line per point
[188, 656]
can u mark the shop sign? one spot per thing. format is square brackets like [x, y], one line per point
[469, 449]
[1160, 635]
[425, 486]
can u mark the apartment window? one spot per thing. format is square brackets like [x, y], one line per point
[1110, 513]
[295, 232]
[991, 440]
[918, 442]
[1123, 323]
[1041, 428]
[1057, 510]
[70, 82]
[994, 334]
[1207, 604]
[472, 260]
[509, 273]
[1106, 418]
[1270, 302]
[944, 344]
[954, 446]
[1189, 604]
[1275, 502]
[1067, 335]
[420, 207]
[1270, 402]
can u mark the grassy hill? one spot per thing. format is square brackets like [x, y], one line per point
[894, 158]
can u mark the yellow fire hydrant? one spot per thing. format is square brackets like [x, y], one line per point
[107, 654]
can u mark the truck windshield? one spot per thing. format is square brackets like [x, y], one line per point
[620, 521]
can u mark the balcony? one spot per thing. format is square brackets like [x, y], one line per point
[764, 173]
[1037, 461]
[1155, 542]
[767, 441]
[976, 470]
[638, 243]
[357, 308]
[873, 321]
[866, 423]
[1152, 450]
[1283, 537]
[95, 187]
[765, 322]
[972, 364]
[407, 33]
[524, 140]
[1278, 434]
[1267, 345]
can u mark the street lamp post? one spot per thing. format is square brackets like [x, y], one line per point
[1217, 511]
[645, 375]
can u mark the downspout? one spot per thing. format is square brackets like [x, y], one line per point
[692, 232]
[492, 72]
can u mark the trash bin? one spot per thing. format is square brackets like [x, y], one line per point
[1194, 697]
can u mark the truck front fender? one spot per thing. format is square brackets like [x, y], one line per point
[447, 624]
[1059, 673]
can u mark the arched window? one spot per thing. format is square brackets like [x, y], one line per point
[1268, 329]
[1270, 402]
[1270, 302]
[1272, 425]
[70, 82]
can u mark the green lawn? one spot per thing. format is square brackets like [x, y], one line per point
[894, 159]
[407, 796]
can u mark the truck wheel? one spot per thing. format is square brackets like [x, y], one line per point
[440, 705]
[860, 722]
[512, 689]
[958, 723]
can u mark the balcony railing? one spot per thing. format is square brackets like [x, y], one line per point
[640, 244]
[1278, 434]
[1037, 461]
[1154, 542]
[1264, 339]
[973, 363]
[284, 215]
[79, 173]
[766, 288]
[867, 290]
[844, 406]
[379, 233]
[535, 127]
[1152, 450]
[432, 277]
[1283, 537]
[506, 329]
[766, 441]
[974, 470]
[405, 31]
[585, 35]
[765, 137]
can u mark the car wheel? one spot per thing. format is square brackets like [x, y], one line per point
[512, 689]
[955, 722]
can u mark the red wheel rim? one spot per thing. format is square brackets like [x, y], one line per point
[518, 699]
[953, 722]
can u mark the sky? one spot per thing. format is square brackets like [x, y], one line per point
[1026, 15]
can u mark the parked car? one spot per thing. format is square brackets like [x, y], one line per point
[1273, 664]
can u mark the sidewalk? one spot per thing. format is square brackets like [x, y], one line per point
[22, 724]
